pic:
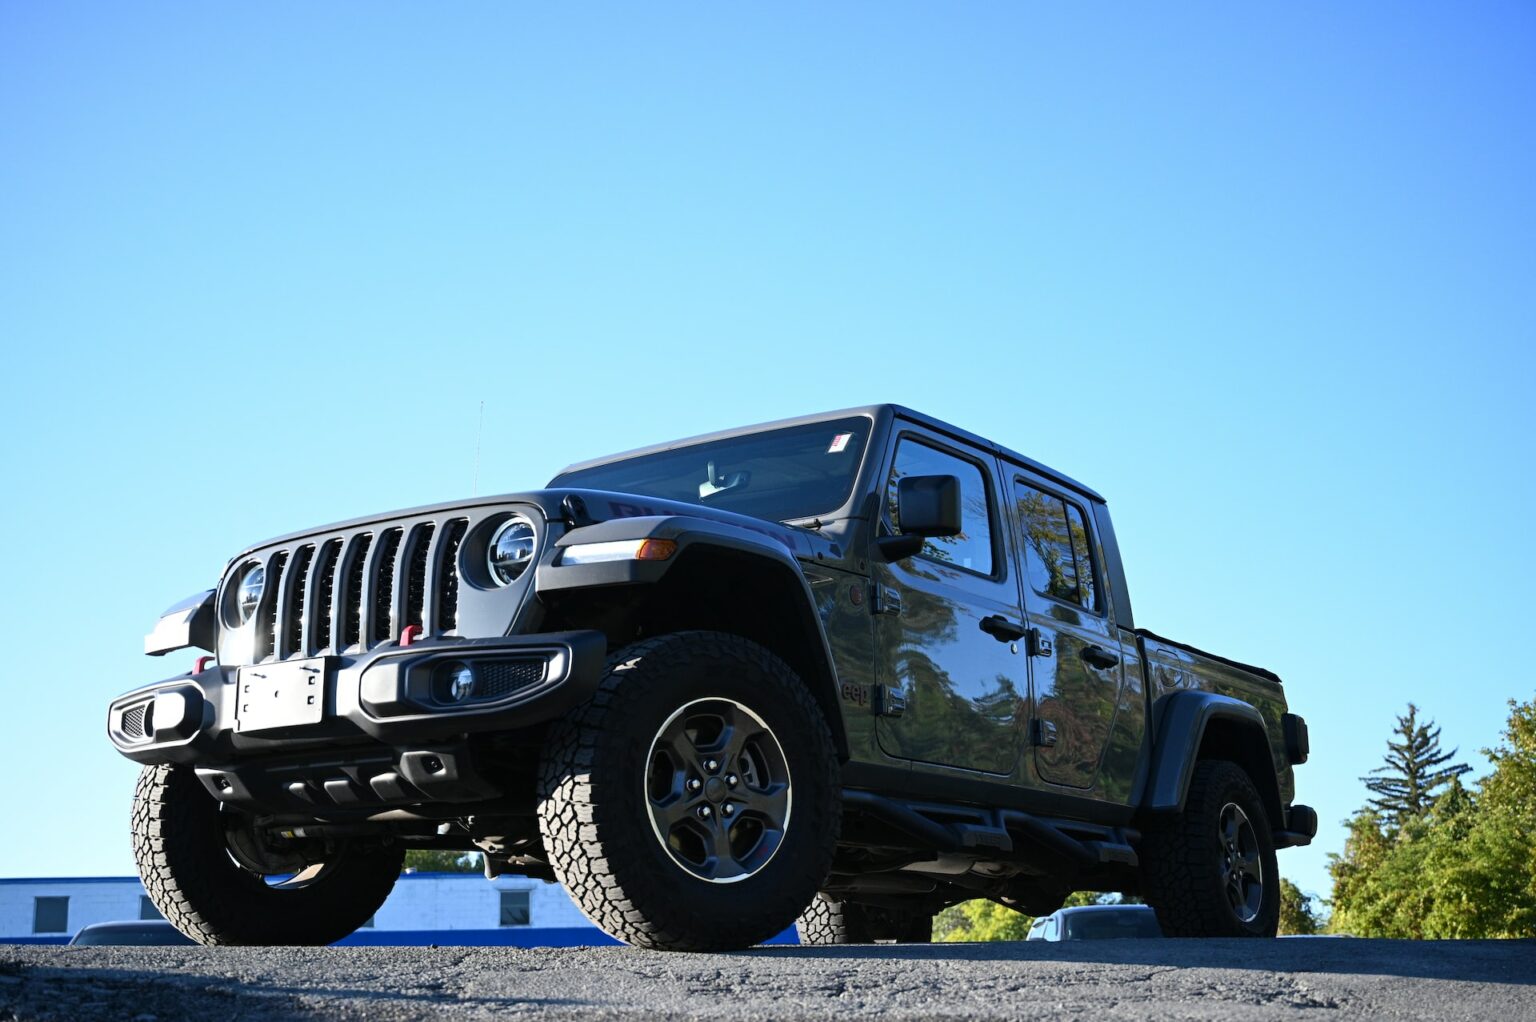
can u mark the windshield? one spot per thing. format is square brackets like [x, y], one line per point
[778, 474]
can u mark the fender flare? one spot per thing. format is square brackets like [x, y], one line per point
[1180, 721]
[695, 537]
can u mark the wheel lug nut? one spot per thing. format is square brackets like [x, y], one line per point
[704, 812]
[727, 809]
[711, 765]
[730, 780]
[694, 784]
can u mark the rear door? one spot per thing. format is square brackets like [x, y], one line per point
[963, 689]
[1076, 687]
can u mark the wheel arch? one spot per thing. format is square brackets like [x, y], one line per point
[721, 579]
[1195, 726]
[760, 598]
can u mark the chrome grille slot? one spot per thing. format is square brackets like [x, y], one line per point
[416, 575]
[325, 595]
[384, 586]
[292, 633]
[267, 614]
[352, 630]
[447, 617]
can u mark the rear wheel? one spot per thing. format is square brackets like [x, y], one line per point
[189, 855]
[693, 803]
[845, 922]
[1211, 871]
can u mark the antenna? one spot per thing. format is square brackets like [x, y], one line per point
[474, 490]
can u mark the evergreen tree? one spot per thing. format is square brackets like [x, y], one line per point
[1465, 869]
[1414, 772]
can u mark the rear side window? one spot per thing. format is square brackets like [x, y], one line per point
[972, 549]
[1058, 558]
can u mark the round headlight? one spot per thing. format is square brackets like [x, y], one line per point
[248, 592]
[511, 550]
[455, 683]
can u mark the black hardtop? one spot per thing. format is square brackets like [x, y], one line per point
[550, 497]
[881, 414]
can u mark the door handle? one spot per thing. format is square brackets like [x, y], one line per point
[1001, 629]
[1097, 656]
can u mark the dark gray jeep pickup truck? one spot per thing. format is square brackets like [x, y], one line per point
[847, 668]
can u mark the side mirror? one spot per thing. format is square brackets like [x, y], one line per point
[926, 506]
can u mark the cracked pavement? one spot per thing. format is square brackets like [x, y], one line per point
[1112, 979]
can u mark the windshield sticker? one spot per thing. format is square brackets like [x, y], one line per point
[840, 443]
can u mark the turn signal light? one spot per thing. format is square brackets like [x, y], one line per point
[656, 550]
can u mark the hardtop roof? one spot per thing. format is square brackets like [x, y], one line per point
[876, 412]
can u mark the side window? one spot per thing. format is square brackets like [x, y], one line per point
[972, 548]
[1082, 552]
[1058, 557]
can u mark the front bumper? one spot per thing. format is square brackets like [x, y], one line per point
[222, 715]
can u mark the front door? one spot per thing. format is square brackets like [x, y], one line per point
[963, 689]
[1076, 687]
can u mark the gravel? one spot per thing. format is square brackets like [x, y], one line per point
[1110, 979]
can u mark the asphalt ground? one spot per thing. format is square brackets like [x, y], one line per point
[1334, 978]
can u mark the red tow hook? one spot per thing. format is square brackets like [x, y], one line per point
[201, 664]
[408, 635]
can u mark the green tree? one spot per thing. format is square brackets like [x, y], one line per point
[1485, 878]
[1466, 868]
[1077, 898]
[987, 920]
[432, 860]
[1296, 913]
[980, 920]
[1414, 771]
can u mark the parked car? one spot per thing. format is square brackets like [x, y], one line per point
[1096, 922]
[156, 932]
[851, 667]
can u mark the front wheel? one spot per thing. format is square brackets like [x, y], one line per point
[186, 850]
[693, 803]
[826, 921]
[1211, 871]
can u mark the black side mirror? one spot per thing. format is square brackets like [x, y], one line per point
[925, 506]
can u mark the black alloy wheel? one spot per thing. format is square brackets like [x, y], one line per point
[1241, 863]
[1210, 871]
[693, 804]
[719, 790]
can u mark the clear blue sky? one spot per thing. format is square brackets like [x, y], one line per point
[1264, 278]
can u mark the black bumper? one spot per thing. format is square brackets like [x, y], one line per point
[1300, 827]
[385, 697]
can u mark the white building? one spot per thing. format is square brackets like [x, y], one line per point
[424, 908]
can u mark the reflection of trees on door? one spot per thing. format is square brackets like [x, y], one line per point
[961, 705]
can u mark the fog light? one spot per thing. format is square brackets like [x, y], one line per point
[456, 683]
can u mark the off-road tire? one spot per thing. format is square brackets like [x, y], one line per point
[179, 845]
[593, 803]
[1182, 869]
[825, 921]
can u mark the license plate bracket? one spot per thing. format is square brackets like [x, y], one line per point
[281, 695]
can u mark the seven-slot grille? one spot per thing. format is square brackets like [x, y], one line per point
[360, 590]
